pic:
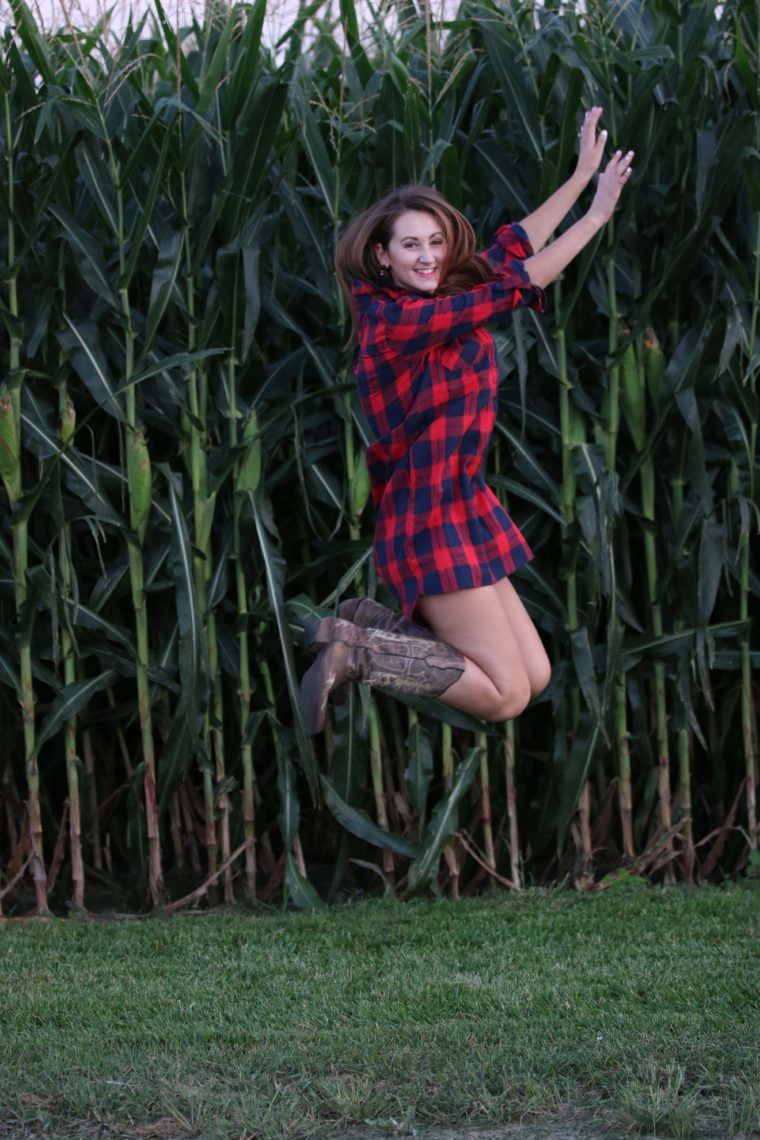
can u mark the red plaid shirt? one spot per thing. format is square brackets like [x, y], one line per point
[427, 381]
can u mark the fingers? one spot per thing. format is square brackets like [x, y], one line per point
[614, 177]
[587, 132]
[620, 165]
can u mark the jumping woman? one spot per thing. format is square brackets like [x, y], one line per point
[421, 298]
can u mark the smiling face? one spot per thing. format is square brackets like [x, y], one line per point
[416, 252]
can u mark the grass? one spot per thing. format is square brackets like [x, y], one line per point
[624, 1013]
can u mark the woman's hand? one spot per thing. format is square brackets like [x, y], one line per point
[591, 145]
[549, 261]
[611, 181]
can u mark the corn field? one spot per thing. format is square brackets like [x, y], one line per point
[183, 479]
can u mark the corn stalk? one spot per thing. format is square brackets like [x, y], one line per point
[10, 459]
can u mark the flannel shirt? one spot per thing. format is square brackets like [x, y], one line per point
[427, 378]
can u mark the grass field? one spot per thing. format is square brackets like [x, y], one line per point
[631, 1012]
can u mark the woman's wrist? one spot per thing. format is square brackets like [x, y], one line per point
[580, 180]
[595, 220]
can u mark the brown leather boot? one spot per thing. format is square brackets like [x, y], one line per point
[370, 614]
[386, 660]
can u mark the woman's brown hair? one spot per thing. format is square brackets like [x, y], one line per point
[355, 253]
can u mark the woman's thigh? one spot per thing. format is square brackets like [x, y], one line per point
[477, 623]
[494, 684]
[535, 658]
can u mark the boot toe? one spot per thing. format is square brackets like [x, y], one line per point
[328, 673]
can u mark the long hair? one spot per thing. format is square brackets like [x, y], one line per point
[355, 254]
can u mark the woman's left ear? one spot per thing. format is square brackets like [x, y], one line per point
[380, 254]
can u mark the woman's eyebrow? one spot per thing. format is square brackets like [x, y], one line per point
[413, 237]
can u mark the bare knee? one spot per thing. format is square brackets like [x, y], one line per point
[510, 700]
[540, 676]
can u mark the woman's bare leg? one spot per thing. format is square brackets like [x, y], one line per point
[535, 658]
[505, 662]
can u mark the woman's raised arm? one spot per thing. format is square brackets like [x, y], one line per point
[542, 222]
[543, 267]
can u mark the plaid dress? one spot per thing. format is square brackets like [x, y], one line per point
[428, 380]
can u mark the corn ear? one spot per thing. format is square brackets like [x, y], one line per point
[9, 447]
[68, 422]
[654, 362]
[577, 427]
[139, 475]
[633, 397]
[360, 486]
[249, 472]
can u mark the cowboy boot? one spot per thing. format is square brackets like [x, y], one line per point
[385, 660]
[370, 614]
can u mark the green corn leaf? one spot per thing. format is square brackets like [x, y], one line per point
[289, 816]
[34, 43]
[218, 583]
[177, 753]
[9, 674]
[213, 71]
[575, 82]
[272, 569]
[81, 615]
[301, 892]
[521, 491]
[503, 178]
[79, 472]
[585, 743]
[443, 822]
[181, 360]
[419, 771]
[71, 699]
[82, 346]
[511, 76]
[174, 52]
[322, 165]
[193, 655]
[712, 559]
[96, 177]
[137, 830]
[208, 507]
[426, 706]
[359, 824]
[350, 25]
[528, 462]
[350, 756]
[252, 293]
[585, 672]
[145, 215]
[251, 155]
[162, 284]
[87, 255]
[248, 64]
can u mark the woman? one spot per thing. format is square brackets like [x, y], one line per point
[427, 377]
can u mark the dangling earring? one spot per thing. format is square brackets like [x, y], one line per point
[383, 270]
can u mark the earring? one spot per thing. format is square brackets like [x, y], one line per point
[383, 270]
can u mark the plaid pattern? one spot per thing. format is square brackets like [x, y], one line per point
[428, 381]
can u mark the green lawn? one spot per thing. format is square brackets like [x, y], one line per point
[621, 1013]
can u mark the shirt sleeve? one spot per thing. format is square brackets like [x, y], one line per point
[510, 243]
[415, 323]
